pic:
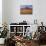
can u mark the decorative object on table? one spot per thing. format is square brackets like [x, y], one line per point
[28, 33]
[14, 24]
[41, 28]
[4, 32]
[26, 9]
[42, 37]
[42, 23]
[35, 21]
[23, 23]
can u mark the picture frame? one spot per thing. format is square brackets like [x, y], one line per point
[26, 9]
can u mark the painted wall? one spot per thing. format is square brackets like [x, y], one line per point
[4, 11]
[15, 13]
[0, 13]
[12, 11]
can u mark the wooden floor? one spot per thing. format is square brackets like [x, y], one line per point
[42, 45]
[34, 44]
[1, 45]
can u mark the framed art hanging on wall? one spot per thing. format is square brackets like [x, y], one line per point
[26, 9]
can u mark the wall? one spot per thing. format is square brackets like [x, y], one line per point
[15, 13]
[42, 11]
[4, 11]
[12, 11]
[0, 13]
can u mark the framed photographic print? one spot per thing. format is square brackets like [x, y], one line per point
[26, 9]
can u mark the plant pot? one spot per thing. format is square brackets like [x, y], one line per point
[2, 40]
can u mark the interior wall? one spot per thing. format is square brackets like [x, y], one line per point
[42, 11]
[15, 13]
[4, 11]
[12, 11]
[0, 13]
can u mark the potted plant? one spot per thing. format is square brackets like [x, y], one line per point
[3, 34]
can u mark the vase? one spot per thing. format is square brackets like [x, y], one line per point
[2, 40]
